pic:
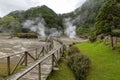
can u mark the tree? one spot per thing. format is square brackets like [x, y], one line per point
[107, 18]
[10, 24]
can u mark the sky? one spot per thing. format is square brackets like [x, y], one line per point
[59, 6]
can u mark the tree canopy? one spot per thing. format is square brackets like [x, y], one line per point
[108, 20]
[51, 18]
[9, 24]
[108, 17]
[84, 16]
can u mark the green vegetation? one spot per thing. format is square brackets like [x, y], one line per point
[3, 70]
[108, 19]
[84, 17]
[63, 74]
[26, 35]
[78, 63]
[13, 21]
[1, 78]
[103, 14]
[105, 62]
[10, 24]
[52, 19]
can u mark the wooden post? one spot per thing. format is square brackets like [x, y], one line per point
[43, 51]
[63, 49]
[52, 61]
[47, 48]
[26, 58]
[50, 47]
[8, 65]
[60, 51]
[57, 54]
[36, 54]
[39, 67]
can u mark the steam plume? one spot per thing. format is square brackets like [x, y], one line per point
[36, 25]
[70, 28]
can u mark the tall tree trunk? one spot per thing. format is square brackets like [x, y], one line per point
[112, 43]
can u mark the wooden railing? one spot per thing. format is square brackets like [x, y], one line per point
[55, 54]
[14, 61]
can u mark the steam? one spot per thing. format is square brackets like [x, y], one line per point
[35, 25]
[54, 32]
[70, 28]
[38, 25]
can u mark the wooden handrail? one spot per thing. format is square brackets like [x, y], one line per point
[29, 68]
[23, 59]
[37, 58]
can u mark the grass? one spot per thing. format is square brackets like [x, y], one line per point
[3, 70]
[105, 62]
[1, 78]
[63, 74]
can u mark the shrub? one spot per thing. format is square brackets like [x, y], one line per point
[92, 38]
[73, 50]
[26, 35]
[79, 64]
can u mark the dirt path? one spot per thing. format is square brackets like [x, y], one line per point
[68, 41]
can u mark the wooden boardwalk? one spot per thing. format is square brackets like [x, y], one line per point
[41, 68]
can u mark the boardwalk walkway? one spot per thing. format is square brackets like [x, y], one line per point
[34, 71]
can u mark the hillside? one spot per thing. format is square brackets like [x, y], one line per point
[84, 17]
[48, 14]
[50, 18]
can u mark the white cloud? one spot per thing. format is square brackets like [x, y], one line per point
[59, 6]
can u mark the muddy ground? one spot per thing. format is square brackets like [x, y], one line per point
[16, 45]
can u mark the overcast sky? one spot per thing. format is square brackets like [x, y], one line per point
[59, 6]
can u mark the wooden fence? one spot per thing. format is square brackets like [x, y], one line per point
[22, 59]
[54, 54]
